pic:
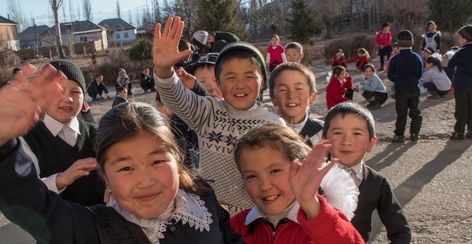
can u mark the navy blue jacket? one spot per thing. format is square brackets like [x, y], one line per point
[462, 62]
[26, 201]
[405, 70]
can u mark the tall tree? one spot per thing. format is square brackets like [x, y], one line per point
[118, 11]
[16, 14]
[55, 5]
[302, 21]
[408, 14]
[450, 15]
[71, 11]
[87, 9]
[156, 11]
[219, 15]
[330, 13]
[187, 10]
[167, 9]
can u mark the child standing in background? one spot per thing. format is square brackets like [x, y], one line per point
[384, 42]
[339, 88]
[294, 52]
[275, 53]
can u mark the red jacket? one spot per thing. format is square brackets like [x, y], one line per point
[384, 39]
[330, 226]
[361, 60]
[341, 60]
[335, 91]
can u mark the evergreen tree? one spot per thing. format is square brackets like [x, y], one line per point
[302, 24]
[219, 15]
[450, 15]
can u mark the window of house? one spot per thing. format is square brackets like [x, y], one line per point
[83, 39]
[118, 36]
[126, 35]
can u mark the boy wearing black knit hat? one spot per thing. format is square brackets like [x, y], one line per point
[240, 74]
[405, 70]
[63, 144]
[461, 62]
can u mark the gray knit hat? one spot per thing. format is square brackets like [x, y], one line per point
[405, 38]
[243, 46]
[71, 71]
[466, 32]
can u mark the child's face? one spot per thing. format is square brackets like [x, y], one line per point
[368, 73]
[206, 76]
[265, 173]
[240, 81]
[274, 41]
[144, 180]
[293, 55]
[349, 137]
[428, 65]
[462, 40]
[67, 106]
[123, 94]
[342, 75]
[386, 29]
[292, 96]
[339, 53]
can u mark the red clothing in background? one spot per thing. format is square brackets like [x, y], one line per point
[275, 54]
[336, 91]
[384, 39]
[361, 60]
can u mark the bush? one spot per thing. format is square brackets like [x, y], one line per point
[141, 51]
[350, 45]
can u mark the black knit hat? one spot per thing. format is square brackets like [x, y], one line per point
[71, 71]
[206, 58]
[243, 46]
[405, 38]
[466, 32]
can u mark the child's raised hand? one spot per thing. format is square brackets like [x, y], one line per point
[306, 176]
[22, 102]
[79, 168]
[187, 79]
[165, 50]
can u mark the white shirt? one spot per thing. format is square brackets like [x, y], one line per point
[55, 127]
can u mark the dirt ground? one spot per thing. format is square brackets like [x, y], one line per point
[431, 178]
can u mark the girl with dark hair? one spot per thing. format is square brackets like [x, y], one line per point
[153, 199]
[384, 41]
[435, 79]
[371, 87]
[339, 88]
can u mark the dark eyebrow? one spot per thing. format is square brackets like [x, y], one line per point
[160, 150]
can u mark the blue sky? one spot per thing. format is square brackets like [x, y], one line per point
[101, 9]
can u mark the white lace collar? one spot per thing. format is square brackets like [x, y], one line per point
[187, 208]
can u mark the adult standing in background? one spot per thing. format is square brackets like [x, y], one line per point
[432, 37]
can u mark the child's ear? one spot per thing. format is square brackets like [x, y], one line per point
[302, 56]
[312, 98]
[372, 142]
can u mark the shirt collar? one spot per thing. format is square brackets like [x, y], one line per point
[298, 127]
[255, 214]
[55, 126]
[359, 170]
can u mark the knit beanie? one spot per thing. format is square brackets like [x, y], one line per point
[466, 32]
[243, 46]
[405, 38]
[71, 71]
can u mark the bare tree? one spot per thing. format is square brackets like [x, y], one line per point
[87, 9]
[55, 5]
[330, 13]
[118, 11]
[187, 9]
[156, 11]
[71, 10]
[16, 14]
[408, 14]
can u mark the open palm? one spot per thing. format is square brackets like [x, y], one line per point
[22, 102]
[165, 50]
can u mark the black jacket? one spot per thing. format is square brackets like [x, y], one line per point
[25, 201]
[405, 70]
[462, 63]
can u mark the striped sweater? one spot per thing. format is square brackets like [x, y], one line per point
[219, 127]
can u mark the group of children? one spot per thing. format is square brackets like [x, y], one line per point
[271, 172]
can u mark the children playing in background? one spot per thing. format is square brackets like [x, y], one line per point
[384, 42]
[461, 62]
[405, 70]
[361, 58]
[350, 129]
[147, 81]
[123, 81]
[339, 59]
[240, 73]
[153, 199]
[294, 52]
[275, 53]
[121, 96]
[293, 90]
[97, 88]
[339, 88]
[435, 79]
[282, 177]
[62, 146]
[371, 87]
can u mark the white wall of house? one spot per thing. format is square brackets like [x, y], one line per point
[13, 45]
[124, 36]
